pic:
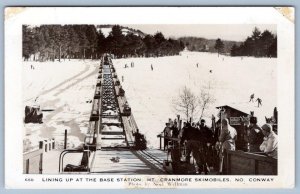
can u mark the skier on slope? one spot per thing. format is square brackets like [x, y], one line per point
[258, 102]
[151, 67]
[251, 98]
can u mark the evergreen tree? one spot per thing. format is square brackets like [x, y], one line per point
[233, 51]
[266, 40]
[258, 45]
[219, 46]
[101, 43]
[272, 51]
[27, 37]
[116, 40]
[149, 41]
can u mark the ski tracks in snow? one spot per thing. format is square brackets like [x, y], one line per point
[71, 79]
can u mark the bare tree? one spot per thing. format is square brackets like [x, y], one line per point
[186, 102]
[205, 100]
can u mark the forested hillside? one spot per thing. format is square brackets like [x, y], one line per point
[50, 42]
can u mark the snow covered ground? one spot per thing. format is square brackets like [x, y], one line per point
[64, 88]
[232, 80]
[67, 86]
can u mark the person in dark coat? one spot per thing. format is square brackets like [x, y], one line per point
[175, 131]
[254, 136]
[206, 146]
[192, 135]
[258, 102]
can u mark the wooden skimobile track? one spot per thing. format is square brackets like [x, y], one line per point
[109, 143]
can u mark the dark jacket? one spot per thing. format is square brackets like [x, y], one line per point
[207, 134]
[175, 131]
[255, 138]
[190, 133]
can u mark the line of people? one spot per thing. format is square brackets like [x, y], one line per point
[208, 146]
[198, 140]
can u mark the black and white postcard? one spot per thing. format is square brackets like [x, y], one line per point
[149, 97]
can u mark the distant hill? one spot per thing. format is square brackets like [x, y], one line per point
[206, 45]
[191, 43]
[106, 29]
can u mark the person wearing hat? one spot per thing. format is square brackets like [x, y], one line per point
[255, 136]
[270, 143]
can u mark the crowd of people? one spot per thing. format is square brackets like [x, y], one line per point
[207, 145]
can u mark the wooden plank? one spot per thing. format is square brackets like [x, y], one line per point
[128, 163]
[32, 154]
[242, 166]
[245, 163]
[266, 168]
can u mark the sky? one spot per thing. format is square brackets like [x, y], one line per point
[236, 32]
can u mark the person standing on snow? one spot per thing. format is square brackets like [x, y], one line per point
[251, 98]
[258, 102]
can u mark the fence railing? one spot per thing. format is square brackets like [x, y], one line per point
[28, 158]
[33, 159]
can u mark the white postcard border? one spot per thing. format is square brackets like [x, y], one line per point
[15, 17]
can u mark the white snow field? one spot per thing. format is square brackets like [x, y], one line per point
[232, 80]
[66, 87]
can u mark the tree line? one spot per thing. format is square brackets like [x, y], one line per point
[259, 44]
[206, 45]
[50, 42]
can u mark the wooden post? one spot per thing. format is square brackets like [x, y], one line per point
[160, 142]
[41, 144]
[164, 142]
[180, 125]
[27, 166]
[178, 122]
[45, 145]
[41, 164]
[65, 145]
[53, 143]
